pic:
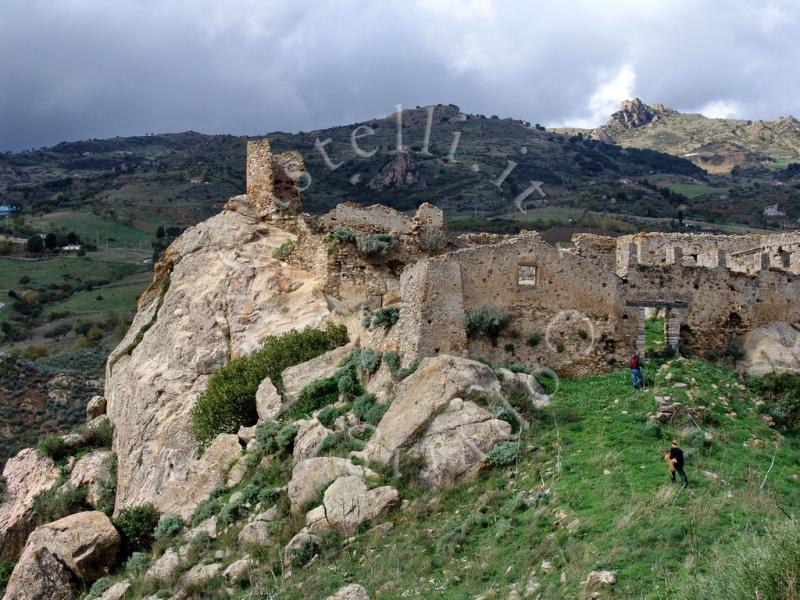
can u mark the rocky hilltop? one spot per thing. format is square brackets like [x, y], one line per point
[716, 145]
[290, 381]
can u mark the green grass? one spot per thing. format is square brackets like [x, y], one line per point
[780, 163]
[120, 298]
[592, 458]
[93, 228]
[693, 190]
[654, 334]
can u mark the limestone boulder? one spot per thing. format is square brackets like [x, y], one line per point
[95, 407]
[239, 570]
[773, 348]
[300, 549]
[116, 591]
[424, 394]
[217, 293]
[453, 446]
[165, 568]
[198, 575]
[41, 576]
[347, 503]
[311, 474]
[350, 592]
[310, 435]
[269, 403]
[526, 384]
[254, 533]
[57, 556]
[91, 471]
[26, 476]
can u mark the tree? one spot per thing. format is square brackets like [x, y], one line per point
[59, 331]
[160, 233]
[51, 241]
[35, 244]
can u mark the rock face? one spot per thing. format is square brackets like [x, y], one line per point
[26, 476]
[774, 348]
[422, 395]
[217, 293]
[310, 474]
[91, 471]
[82, 546]
[348, 503]
[454, 444]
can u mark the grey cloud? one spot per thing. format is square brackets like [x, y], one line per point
[76, 69]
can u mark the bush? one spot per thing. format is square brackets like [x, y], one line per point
[337, 444]
[652, 429]
[317, 394]
[765, 566]
[6, 567]
[781, 394]
[108, 488]
[58, 503]
[137, 564]
[485, 321]
[208, 508]
[368, 360]
[100, 586]
[284, 250]
[136, 525]
[344, 236]
[3, 488]
[168, 527]
[273, 437]
[52, 446]
[392, 359]
[376, 244]
[230, 398]
[502, 454]
[368, 410]
[383, 317]
[326, 416]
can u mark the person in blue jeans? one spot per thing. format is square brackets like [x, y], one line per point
[637, 376]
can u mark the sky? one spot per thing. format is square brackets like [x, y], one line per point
[79, 69]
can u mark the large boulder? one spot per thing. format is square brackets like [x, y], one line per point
[297, 377]
[26, 476]
[40, 577]
[300, 549]
[347, 503]
[311, 474]
[773, 348]
[422, 395]
[165, 569]
[453, 446]
[91, 471]
[526, 384]
[269, 403]
[216, 294]
[80, 547]
[310, 435]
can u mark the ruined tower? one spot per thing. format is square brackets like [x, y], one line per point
[273, 179]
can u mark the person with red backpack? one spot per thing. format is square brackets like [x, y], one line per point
[636, 365]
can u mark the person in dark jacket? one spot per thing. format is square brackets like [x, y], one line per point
[676, 456]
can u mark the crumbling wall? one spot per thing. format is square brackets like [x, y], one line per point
[271, 187]
[599, 249]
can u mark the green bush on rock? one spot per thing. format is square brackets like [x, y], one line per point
[230, 398]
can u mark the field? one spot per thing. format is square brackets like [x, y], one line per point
[119, 298]
[693, 190]
[96, 229]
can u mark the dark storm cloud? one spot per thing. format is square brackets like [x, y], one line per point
[74, 69]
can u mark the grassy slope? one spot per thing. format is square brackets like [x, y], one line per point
[611, 479]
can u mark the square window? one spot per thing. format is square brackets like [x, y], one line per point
[527, 275]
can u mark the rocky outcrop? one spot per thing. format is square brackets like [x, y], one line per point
[165, 569]
[217, 293]
[95, 407]
[299, 376]
[453, 446]
[773, 348]
[347, 503]
[300, 549]
[91, 471]
[269, 403]
[399, 172]
[309, 475]
[350, 592]
[526, 384]
[116, 591]
[424, 394]
[80, 547]
[26, 476]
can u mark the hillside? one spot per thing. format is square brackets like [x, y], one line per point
[716, 145]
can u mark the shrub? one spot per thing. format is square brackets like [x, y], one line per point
[108, 488]
[208, 508]
[100, 586]
[3, 488]
[137, 564]
[136, 525]
[100, 435]
[273, 437]
[52, 446]
[367, 409]
[168, 527]
[58, 503]
[368, 361]
[376, 244]
[326, 416]
[337, 444]
[485, 321]
[652, 429]
[315, 395]
[344, 236]
[781, 394]
[502, 454]
[6, 567]
[229, 399]
[383, 317]
[284, 250]
[392, 359]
